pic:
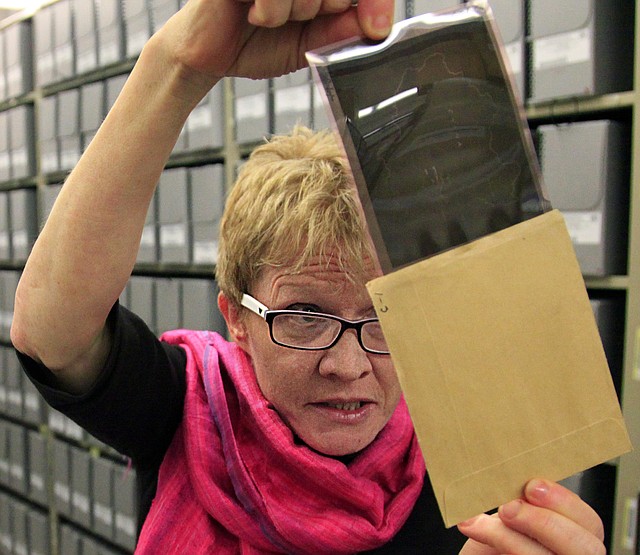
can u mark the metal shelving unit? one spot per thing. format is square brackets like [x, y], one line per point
[623, 104]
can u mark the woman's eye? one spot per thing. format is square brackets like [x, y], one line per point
[304, 307]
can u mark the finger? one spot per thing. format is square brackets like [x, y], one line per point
[559, 499]
[270, 13]
[550, 529]
[376, 17]
[303, 10]
[491, 532]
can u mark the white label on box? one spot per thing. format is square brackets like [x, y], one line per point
[148, 238]
[80, 502]
[205, 252]
[62, 491]
[561, 50]
[174, 235]
[19, 162]
[251, 107]
[49, 162]
[585, 228]
[109, 53]
[14, 78]
[15, 398]
[44, 61]
[3, 395]
[37, 481]
[293, 99]
[515, 56]
[64, 54]
[200, 118]
[69, 157]
[16, 471]
[20, 238]
[4, 240]
[125, 524]
[103, 513]
[5, 160]
[32, 401]
[87, 60]
[135, 42]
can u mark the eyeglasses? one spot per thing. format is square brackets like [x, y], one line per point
[315, 331]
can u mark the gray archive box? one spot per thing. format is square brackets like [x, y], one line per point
[5, 154]
[141, 298]
[81, 494]
[173, 216]
[6, 535]
[167, 302]
[21, 142]
[584, 166]
[102, 497]
[63, 47]
[126, 510]
[22, 208]
[137, 22]
[206, 199]
[5, 244]
[69, 128]
[205, 124]
[92, 111]
[580, 47]
[61, 478]
[19, 528]
[148, 248]
[39, 537]
[37, 453]
[114, 87]
[18, 68]
[70, 541]
[200, 305]
[48, 134]
[4, 452]
[43, 45]
[251, 106]
[49, 195]
[3, 65]
[111, 38]
[510, 18]
[292, 100]
[3, 385]
[13, 384]
[161, 11]
[85, 17]
[18, 466]
[610, 317]
[427, 6]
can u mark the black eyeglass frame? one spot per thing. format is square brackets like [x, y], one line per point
[269, 315]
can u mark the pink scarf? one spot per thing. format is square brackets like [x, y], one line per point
[234, 480]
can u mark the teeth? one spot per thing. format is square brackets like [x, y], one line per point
[346, 406]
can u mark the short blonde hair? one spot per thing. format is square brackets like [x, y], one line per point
[293, 200]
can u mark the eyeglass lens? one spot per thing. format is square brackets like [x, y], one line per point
[317, 332]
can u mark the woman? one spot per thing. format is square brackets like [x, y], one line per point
[294, 438]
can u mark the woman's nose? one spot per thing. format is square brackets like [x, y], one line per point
[346, 360]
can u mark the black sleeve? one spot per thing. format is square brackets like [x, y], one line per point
[136, 404]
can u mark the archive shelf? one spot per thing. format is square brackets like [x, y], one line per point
[623, 105]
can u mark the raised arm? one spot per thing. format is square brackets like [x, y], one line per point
[87, 249]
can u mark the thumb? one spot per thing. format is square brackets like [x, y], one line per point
[376, 17]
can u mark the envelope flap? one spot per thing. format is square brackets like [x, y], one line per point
[495, 484]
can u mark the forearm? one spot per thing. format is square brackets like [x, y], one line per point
[87, 249]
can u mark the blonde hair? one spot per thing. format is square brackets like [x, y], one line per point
[293, 200]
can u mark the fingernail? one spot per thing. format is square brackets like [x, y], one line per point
[511, 509]
[537, 490]
[469, 522]
[381, 24]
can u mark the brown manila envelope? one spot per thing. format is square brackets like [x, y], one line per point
[499, 357]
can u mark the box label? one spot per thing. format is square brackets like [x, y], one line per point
[585, 228]
[563, 49]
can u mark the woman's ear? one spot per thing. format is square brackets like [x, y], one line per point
[234, 319]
